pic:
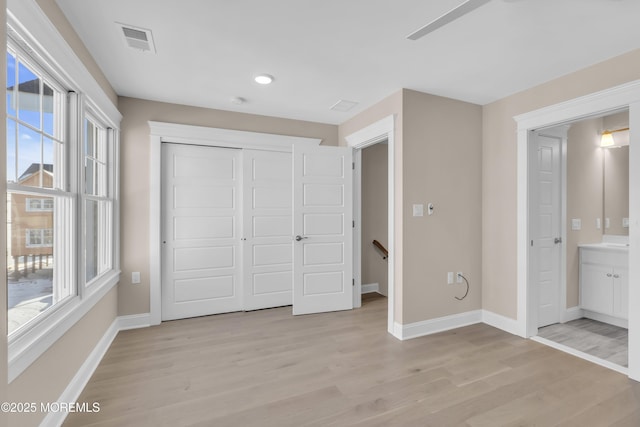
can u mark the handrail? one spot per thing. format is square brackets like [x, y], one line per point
[382, 249]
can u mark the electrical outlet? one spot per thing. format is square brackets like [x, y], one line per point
[450, 278]
[459, 277]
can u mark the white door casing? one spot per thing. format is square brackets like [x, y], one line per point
[322, 215]
[267, 216]
[201, 272]
[547, 233]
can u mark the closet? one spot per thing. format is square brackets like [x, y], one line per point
[245, 229]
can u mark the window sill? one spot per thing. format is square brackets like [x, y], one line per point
[26, 347]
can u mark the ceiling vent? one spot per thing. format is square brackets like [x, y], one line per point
[137, 38]
[343, 105]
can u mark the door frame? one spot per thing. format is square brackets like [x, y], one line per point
[193, 135]
[380, 131]
[555, 132]
[599, 103]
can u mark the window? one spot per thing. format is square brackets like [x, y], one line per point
[61, 151]
[39, 238]
[39, 205]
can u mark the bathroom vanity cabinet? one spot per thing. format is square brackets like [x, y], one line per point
[604, 283]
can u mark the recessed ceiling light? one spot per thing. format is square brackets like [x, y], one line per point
[264, 79]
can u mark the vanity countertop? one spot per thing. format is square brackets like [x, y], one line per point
[621, 247]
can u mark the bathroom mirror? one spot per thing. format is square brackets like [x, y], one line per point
[616, 191]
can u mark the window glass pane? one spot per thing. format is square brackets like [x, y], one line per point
[47, 110]
[28, 96]
[89, 173]
[11, 151]
[29, 157]
[30, 263]
[91, 239]
[11, 82]
[47, 162]
[89, 134]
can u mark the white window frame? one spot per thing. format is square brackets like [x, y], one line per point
[27, 23]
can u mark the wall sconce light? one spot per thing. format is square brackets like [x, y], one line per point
[607, 137]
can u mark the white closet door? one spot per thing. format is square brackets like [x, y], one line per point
[267, 244]
[322, 216]
[201, 272]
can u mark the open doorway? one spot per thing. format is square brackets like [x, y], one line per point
[374, 222]
[579, 236]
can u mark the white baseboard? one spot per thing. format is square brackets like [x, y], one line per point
[573, 313]
[501, 322]
[440, 324]
[370, 288]
[134, 321]
[623, 323]
[81, 378]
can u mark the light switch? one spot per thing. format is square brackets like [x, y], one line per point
[598, 224]
[576, 224]
[625, 222]
[418, 210]
[135, 277]
[607, 223]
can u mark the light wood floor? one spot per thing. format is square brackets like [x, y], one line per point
[268, 368]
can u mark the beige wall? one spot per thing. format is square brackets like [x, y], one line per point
[584, 196]
[437, 159]
[3, 218]
[375, 215]
[48, 376]
[56, 16]
[441, 164]
[134, 167]
[390, 106]
[499, 216]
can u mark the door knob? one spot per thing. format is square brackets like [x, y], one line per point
[557, 240]
[298, 238]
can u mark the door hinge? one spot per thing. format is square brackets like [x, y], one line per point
[532, 243]
[353, 166]
[353, 282]
[353, 224]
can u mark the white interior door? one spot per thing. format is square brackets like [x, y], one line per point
[322, 215]
[547, 240]
[201, 272]
[267, 244]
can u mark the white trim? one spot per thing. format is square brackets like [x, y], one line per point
[440, 324]
[370, 288]
[217, 137]
[379, 131]
[26, 348]
[197, 135]
[357, 229]
[573, 313]
[27, 16]
[599, 103]
[605, 318]
[582, 355]
[73, 390]
[134, 321]
[501, 322]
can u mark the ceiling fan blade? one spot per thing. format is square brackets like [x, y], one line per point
[452, 15]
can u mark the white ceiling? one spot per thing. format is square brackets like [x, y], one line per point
[321, 51]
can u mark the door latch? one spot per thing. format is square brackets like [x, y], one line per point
[557, 240]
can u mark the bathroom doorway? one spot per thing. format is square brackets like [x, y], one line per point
[579, 260]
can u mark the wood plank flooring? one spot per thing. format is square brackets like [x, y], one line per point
[607, 342]
[268, 368]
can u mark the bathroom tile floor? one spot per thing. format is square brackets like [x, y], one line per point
[598, 339]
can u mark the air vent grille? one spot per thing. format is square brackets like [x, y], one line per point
[343, 105]
[137, 38]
